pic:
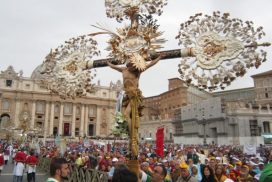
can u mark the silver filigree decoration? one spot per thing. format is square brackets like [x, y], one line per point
[65, 68]
[221, 49]
[135, 45]
[120, 9]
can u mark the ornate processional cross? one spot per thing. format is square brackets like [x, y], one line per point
[214, 50]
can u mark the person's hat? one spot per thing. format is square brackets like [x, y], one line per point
[234, 158]
[184, 166]
[228, 180]
[238, 163]
[252, 163]
[218, 158]
[114, 159]
[145, 164]
[212, 158]
[245, 167]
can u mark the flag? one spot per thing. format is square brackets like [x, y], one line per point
[159, 142]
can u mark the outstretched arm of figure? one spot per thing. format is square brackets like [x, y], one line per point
[117, 68]
[153, 62]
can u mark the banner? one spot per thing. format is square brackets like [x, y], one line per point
[250, 149]
[159, 142]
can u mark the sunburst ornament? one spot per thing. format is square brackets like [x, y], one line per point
[220, 49]
[120, 9]
[138, 62]
[135, 44]
[65, 68]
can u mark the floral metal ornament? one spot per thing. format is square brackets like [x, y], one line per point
[220, 49]
[125, 8]
[65, 68]
[134, 44]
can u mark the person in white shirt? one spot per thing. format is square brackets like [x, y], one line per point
[6, 156]
[114, 163]
[18, 171]
[10, 147]
[59, 170]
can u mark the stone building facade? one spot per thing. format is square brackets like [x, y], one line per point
[224, 123]
[263, 87]
[25, 99]
[161, 110]
[246, 95]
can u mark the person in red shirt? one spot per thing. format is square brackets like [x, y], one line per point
[1, 161]
[20, 156]
[31, 162]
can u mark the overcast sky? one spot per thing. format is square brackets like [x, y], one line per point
[30, 28]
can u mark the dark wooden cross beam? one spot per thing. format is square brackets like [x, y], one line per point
[170, 54]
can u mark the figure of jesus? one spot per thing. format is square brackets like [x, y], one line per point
[132, 102]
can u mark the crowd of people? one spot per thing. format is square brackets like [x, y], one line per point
[24, 161]
[192, 163]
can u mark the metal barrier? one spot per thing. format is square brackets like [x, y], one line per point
[44, 164]
[76, 174]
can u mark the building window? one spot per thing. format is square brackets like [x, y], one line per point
[91, 130]
[266, 127]
[27, 86]
[254, 130]
[91, 111]
[40, 107]
[8, 83]
[55, 131]
[43, 87]
[266, 95]
[77, 110]
[39, 124]
[104, 94]
[77, 131]
[6, 105]
[68, 109]
[57, 109]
